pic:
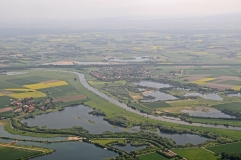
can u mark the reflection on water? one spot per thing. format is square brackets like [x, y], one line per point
[234, 95]
[182, 139]
[159, 96]
[212, 96]
[152, 84]
[75, 116]
[213, 113]
[134, 59]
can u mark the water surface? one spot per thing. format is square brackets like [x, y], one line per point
[182, 139]
[234, 95]
[159, 96]
[75, 116]
[213, 113]
[152, 84]
[212, 96]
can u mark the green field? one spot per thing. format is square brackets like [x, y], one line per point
[195, 154]
[11, 153]
[106, 141]
[228, 148]
[7, 114]
[152, 156]
[217, 121]
[231, 82]
[154, 105]
[234, 106]
[4, 100]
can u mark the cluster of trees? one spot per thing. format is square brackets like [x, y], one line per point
[97, 112]
[118, 121]
[231, 156]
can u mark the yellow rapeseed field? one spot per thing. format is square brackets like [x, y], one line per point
[37, 86]
[34, 94]
[237, 88]
[19, 89]
[1, 94]
[56, 84]
[203, 81]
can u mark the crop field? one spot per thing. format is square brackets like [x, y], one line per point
[7, 114]
[216, 121]
[45, 85]
[228, 148]
[70, 98]
[203, 81]
[152, 156]
[234, 106]
[195, 154]
[11, 153]
[4, 100]
[156, 105]
[19, 90]
[237, 88]
[34, 94]
[100, 84]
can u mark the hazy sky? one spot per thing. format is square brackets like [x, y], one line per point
[91, 9]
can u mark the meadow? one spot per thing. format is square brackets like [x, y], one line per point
[13, 153]
[195, 154]
[152, 156]
[106, 141]
[228, 148]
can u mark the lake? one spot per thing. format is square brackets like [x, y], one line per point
[212, 96]
[182, 139]
[213, 113]
[69, 150]
[134, 59]
[159, 96]
[152, 84]
[75, 116]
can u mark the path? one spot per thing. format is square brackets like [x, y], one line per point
[19, 147]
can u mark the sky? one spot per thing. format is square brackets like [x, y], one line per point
[13, 10]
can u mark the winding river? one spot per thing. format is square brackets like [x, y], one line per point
[122, 105]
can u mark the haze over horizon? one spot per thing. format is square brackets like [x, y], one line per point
[30, 10]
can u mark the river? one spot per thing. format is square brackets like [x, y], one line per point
[124, 106]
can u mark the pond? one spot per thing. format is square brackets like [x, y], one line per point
[152, 84]
[4, 133]
[76, 116]
[70, 150]
[13, 73]
[212, 96]
[134, 59]
[129, 147]
[182, 139]
[235, 95]
[159, 96]
[213, 113]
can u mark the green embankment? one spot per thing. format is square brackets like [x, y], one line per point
[195, 154]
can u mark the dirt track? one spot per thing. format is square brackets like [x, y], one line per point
[5, 109]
